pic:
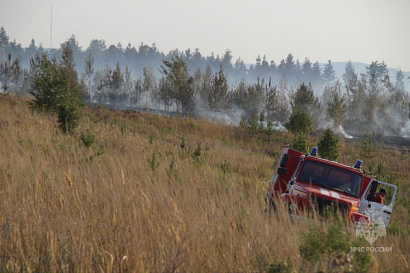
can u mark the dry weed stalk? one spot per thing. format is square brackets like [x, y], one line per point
[69, 181]
[122, 176]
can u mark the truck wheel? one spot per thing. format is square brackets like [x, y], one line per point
[271, 207]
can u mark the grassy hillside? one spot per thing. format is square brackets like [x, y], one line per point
[132, 192]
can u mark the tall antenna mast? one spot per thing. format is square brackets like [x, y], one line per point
[51, 27]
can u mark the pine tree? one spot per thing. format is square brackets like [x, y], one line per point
[306, 70]
[336, 107]
[117, 79]
[45, 82]
[180, 83]
[329, 145]
[256, 97]
[290, 66]
[305, 99]
[316, 75]
[300, 143]
[399, 80]
[357, 100]
[97, 48]
[271, 102]
[12, 76]
[70, 102]
[56, 88]
[149, 85]
[349, 76]
[219, 90]
[135, 95]
[226, 61]
[165, 92]
[205, 85]
[300, 122]
[89, 72]
[4, 38]
[239, 95]
[367, 145]
[329, 75]
[376, 71]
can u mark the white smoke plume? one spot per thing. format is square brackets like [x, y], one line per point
[405, 130]
[340, 130]
[228, 117]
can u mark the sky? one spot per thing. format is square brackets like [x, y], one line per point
[320, 30]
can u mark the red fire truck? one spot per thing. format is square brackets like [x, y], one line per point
[306, 181]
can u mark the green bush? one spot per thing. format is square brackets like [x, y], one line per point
[87, 139]
[300, 122]
[226, 167]
[329, 250]
[280, 268]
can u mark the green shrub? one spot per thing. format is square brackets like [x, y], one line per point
[300, 122]
[198, 149]
[226, 167]
[87, 139]
[183, 143]
[153, 163]
[329, 250]
[280, 268]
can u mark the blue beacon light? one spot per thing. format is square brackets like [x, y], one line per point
[358, 164]
[314, 151]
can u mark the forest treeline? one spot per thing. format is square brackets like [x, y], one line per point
[218, 87]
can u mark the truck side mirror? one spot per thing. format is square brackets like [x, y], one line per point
[284, 160]
[373, 188]
[282, 171]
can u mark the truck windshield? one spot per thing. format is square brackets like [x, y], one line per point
[331, 177]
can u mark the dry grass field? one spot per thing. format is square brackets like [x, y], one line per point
[133, 192]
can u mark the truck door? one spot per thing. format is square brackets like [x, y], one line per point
[373, 209]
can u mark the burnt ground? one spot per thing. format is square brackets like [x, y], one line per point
[386, 142]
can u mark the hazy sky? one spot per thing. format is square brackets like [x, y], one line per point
[339, 30]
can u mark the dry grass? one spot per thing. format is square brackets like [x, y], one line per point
[136, 201]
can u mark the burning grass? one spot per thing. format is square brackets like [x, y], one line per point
[135, 199]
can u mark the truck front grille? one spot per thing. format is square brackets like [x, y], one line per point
[328, 206]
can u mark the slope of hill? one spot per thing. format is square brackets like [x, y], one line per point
[133, 192]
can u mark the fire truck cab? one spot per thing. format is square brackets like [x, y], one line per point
[305, 181]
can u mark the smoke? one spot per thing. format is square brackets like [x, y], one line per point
[277, 126]
[340, 130]
[325, 122]
[405, 130]
[388, 121]
[393, 122]
[231, 116]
